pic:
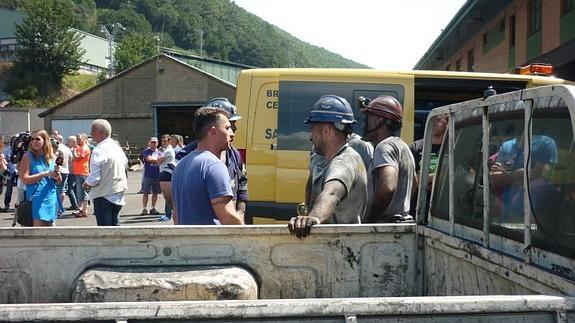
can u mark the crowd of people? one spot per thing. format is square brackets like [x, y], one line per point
[49, 170]
[352, 179]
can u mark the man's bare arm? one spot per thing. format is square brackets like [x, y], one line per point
[225, 210]
[385, 181]
[308, 190]
[323, 208]
[241, 207]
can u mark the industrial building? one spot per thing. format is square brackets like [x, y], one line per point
[154, 97]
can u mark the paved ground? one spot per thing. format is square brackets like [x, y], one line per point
[130, 214]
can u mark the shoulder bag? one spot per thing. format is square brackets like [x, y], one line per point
[24, 212]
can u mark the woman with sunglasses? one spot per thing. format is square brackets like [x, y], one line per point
[39, 173]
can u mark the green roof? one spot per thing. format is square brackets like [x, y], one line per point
[96, 47]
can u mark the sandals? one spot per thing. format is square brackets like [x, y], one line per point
[80, 214]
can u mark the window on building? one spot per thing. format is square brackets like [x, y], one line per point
[502, 25]
[567, 6]
[512, 31]
[533, 16]
[458, 65]
[470, 60]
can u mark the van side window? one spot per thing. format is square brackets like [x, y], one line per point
[297, 97]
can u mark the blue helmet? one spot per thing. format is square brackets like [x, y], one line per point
[226, 105]
[333, 109]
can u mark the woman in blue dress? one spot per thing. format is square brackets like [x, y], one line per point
[38, 172]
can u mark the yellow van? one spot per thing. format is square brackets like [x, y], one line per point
[273, 104]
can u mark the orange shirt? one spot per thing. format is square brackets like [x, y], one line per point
[81, 165]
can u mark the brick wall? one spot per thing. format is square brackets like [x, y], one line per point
[496, 59]
[177, 82]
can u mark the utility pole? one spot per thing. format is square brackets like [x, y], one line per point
[110, 37]
[158, 40]
[201, 33]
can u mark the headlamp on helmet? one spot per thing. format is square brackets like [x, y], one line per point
[226, 105]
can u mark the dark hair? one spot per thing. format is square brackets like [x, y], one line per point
[204, 118]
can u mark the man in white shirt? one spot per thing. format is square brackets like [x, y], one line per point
[107, 180]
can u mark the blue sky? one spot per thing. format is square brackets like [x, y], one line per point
[383, 34]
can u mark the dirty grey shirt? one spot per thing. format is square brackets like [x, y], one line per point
[348, 168]
[395, 153]
[363, 148]
[365, 151]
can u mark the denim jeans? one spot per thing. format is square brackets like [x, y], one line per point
[81, 194]
[12, 181]
[107, 213]
[168, 211]
[62, 188]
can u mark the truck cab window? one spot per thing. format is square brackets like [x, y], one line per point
[552, 178]
[440, 198]
[468, 187]
[505, 165]
[468, 184]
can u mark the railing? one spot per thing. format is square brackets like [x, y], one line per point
[391, 309]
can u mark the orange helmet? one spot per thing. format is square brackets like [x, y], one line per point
[385, 106]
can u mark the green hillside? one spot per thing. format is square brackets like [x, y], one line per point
[222, 29]
[217, 29]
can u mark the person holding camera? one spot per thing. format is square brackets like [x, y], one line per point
[64, 154]
[39, 173]
[11, 173]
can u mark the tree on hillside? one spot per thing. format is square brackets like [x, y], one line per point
[48, 49]
[130, 19]
[9, 4]
[220, 28]
[86, 18]
[135, 48]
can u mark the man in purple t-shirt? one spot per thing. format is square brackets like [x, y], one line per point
[150, 183]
